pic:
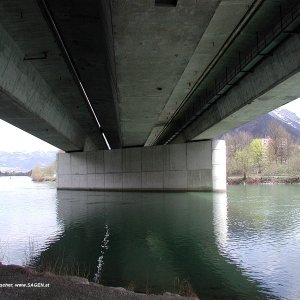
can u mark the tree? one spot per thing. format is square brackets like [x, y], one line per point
[46, 173]
[256, 150]
[236, 141]
[50, 170]
[36, 174]
[281, 142]
[243, 161]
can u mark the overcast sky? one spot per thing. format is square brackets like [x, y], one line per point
[293, 106]
[13, 139]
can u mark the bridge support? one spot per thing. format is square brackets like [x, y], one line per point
[198, 166]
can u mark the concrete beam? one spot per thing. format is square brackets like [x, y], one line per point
[273, 83]
[210, 47]
[153, 45]
[27, 101]
[87, 33]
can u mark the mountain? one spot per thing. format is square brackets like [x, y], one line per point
[22, 161]
[258, 128]
[288, 118]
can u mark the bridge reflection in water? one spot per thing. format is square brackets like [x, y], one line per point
[157, 242]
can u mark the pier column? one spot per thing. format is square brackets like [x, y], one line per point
[197, 166]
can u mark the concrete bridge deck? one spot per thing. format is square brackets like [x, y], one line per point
[94, 75]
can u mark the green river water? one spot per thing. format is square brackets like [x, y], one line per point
[243, 244]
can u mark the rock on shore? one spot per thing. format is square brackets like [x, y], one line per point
[49, 286]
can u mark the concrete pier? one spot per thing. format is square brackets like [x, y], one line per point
[198, 166]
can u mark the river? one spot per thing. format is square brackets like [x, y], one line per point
[241, 245]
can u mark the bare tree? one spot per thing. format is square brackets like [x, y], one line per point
[237, 141]
[279, 148]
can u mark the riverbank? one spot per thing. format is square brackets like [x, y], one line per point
[263, 180]
[50, 286]
[43, 178]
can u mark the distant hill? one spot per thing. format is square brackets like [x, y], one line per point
[288, 119]
[22, 161]
[258, 127]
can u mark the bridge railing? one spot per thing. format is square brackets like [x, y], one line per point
[265, 43]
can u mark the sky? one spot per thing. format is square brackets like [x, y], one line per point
[13, 139]
[293, 106]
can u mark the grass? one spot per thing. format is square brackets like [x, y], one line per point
[3, 252]
[184, 288]
[59, 267]
[29, 252]
[181, 287]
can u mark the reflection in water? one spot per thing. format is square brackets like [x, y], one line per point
[258, 230]
[243, 245]
[156, 240]
[220, 220]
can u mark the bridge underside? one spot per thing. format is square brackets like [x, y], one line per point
[88, 75]
[94, 75]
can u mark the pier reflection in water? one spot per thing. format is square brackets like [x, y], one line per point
[241, 245]
[157, 242]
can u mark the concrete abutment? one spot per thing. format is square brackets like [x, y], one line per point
[198, 166]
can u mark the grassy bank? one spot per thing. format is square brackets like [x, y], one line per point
[263, 180]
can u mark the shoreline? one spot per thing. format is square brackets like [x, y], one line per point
[46, 285]
[263, 180]
[43, 179]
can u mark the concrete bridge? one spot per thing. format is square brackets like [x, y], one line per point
[91, 75]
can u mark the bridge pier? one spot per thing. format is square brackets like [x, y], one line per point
[198, 166]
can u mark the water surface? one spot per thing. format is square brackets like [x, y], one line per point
[241, 245]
